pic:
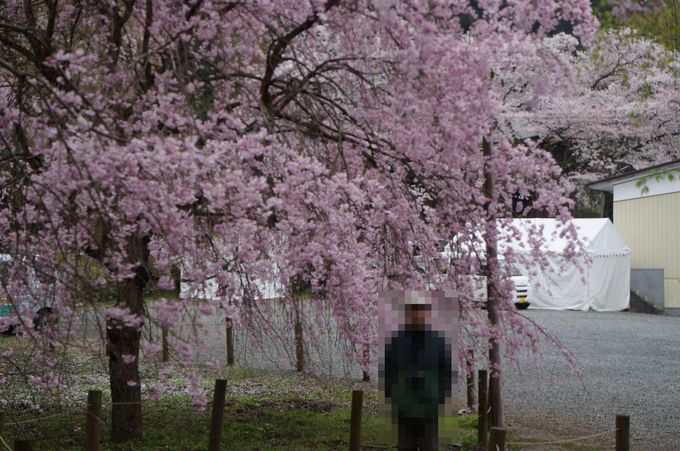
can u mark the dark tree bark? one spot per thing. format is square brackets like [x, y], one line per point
[493, 299]
[299, 343]
[177, 280]
[126, 408]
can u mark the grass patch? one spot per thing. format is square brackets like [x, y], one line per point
[262, 411]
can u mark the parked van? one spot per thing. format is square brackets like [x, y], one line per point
[521, 292]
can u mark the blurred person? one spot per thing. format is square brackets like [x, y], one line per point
[417, 376]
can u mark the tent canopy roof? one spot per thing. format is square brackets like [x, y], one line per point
[598, 235]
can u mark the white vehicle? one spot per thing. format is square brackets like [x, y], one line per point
[521, 292]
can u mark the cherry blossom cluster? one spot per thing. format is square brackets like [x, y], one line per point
[324, 146]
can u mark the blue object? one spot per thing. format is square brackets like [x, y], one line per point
[5, 309]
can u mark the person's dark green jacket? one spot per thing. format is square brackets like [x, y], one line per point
[416, 373]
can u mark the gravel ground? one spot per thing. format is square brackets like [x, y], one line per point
[630, 365]
[327, 358]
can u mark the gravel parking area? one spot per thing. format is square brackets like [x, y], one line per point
[630, 365]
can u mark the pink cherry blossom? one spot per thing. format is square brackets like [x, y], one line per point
[268, 146]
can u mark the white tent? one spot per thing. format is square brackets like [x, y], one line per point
[600, 281]
[210, 290]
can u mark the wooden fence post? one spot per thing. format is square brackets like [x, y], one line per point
[22, 444]
[622, 433]
[470, 377]
[93, 425]
[217, 414]
[165, 347]
[230, 342]
[355, 420]
[299, 345]
[497, 439]
[482, 408]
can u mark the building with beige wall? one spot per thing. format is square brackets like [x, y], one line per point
[646, 212]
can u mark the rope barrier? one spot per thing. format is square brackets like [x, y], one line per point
[96, 418]
[33, 420]
[528, 444]
[5, 443]
[556, 442]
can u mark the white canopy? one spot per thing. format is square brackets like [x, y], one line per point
[600, 281]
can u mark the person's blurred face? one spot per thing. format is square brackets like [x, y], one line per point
[417, 315]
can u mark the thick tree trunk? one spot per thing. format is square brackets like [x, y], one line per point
[366, 377]
[177, 280]
[124, 340]
[495, 396]
[299, 343]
